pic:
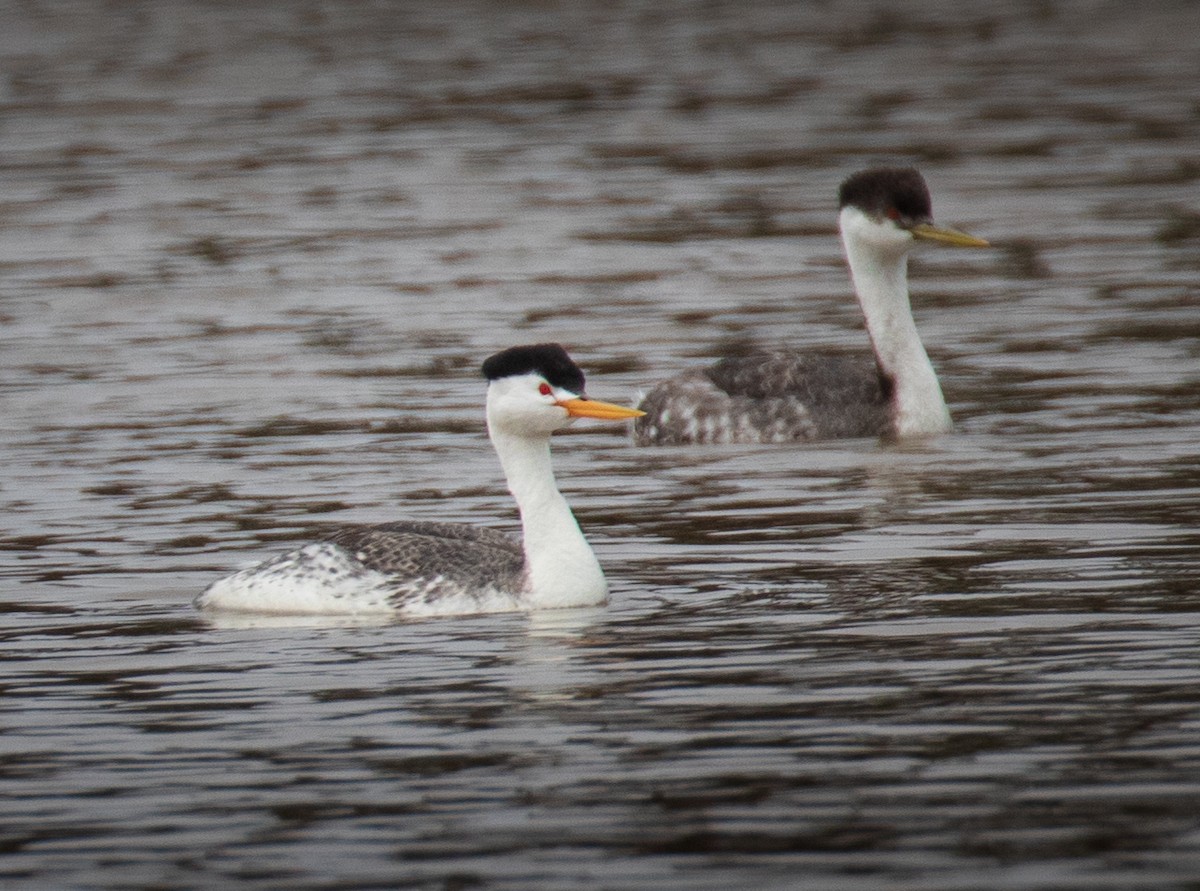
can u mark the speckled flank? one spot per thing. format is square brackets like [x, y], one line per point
[768, 397]
[416, 569]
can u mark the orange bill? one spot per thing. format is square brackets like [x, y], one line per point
[605, 411]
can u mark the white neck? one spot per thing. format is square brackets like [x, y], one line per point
[561, 568]
[878, 258]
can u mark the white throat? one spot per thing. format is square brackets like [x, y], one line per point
[561, 568]
[878, 258]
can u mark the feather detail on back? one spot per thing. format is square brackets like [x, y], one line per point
[768, 397]
[408, 568]
[469, 556]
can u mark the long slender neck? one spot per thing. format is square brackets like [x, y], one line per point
[562, 570]
[879, 269]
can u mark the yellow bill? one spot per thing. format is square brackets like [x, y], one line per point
[943, 235]
[605, 411]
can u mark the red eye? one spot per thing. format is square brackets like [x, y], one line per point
[893, 214]
[545, 389]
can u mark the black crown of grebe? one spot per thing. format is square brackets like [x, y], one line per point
[427, 568]
[784, 396]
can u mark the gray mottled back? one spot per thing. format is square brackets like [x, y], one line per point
[769, 397]
[468, 557]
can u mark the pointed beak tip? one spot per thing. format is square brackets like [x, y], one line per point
[604, 411]
[945, 235]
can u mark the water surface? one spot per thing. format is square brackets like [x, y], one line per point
[253, 254]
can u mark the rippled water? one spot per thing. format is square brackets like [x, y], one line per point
[252, 254]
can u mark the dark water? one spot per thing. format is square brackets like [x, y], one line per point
[252, 254]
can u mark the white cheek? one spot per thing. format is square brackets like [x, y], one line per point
[880, 235]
